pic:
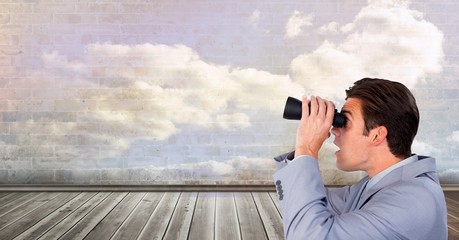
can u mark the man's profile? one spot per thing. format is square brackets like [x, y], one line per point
[401, 198]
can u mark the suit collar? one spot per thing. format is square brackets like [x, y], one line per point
[423, 165]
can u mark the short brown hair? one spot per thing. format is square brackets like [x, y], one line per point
[390, 104]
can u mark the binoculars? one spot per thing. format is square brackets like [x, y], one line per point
[293, 111]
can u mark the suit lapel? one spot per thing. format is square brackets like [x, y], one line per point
[408, 171]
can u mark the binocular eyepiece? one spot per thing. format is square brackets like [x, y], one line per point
[293, 111]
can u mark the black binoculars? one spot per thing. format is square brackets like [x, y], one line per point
[292, 111]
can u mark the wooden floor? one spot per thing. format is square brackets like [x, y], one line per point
[151, 215]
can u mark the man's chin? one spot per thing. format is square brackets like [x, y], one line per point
[340, 162]
[343, 167]
[338, 155]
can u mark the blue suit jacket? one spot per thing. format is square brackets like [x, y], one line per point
[408, 203]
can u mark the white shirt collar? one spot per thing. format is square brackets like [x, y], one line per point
[386, 171]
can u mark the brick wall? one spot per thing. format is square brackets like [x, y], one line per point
[153, 92]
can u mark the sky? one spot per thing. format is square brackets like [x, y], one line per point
[204, 88]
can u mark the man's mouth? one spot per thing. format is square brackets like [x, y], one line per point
[336, 144]
[338, 148]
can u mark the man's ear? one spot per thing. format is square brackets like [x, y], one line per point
[378, 135]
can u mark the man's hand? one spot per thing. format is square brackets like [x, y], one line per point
[314, 127]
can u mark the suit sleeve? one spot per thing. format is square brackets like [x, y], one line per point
[337, 198]
[307, 215]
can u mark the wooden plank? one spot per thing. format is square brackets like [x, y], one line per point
[2, 194]
[203, 224]
[117, 216]
[16, 200]
[54, 218]
[26, 208]
[13, 199]
[453, 223]
[275, 200]
[159, 220]
[110, 223]
[249, 218]
[269, 214]
[71, 220]
[179, 226]
[85, 226]
[453, 213]
[223, 215]
[6, 195]
[452, 234]
[134, 224]
[452, 202]
[35, 216]
[226, 222]
[453, 207]
[453, 195]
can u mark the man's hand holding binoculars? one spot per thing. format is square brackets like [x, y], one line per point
[314, 127]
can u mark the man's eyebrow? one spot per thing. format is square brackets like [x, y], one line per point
[343, 111]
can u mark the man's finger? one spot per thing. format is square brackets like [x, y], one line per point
[305, 108]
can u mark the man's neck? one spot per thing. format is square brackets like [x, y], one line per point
[381, 162]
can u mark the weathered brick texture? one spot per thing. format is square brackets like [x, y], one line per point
[89, 89]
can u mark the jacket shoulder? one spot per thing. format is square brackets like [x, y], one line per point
[416, 207]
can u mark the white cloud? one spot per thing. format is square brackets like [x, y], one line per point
[425, 149]
[454, 137]
[171, 87]
[449, 176]
[327, 67]
[240, 168]
[148, 91]
[296, 23]
[54, 62]
[386, 39]
[330, 28]
[230, 121]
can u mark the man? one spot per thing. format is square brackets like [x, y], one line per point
[401, 197]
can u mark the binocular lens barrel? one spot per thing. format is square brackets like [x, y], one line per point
[293, 110]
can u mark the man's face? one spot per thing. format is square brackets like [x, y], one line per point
[354, 146]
